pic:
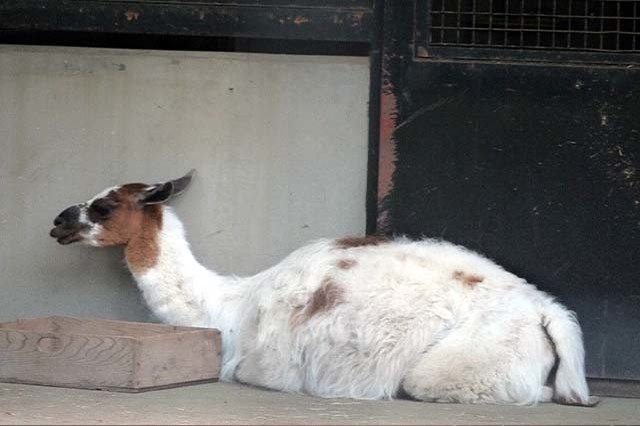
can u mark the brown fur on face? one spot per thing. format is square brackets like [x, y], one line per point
[143, 250]
[467, 279]
[134, 226]
[325, 298]
[369, 240]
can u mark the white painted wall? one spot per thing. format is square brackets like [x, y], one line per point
[279, 143]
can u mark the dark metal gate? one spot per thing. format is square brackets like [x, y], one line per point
[513, 127]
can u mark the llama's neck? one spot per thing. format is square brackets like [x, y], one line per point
[177, 288]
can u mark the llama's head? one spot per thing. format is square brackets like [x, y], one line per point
[116, 214]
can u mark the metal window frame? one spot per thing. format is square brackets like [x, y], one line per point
[424, 51]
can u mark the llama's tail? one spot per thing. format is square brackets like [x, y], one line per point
[570, 385]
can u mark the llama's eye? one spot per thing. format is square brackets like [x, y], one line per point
[101, 210]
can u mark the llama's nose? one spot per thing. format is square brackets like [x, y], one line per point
[69, 216]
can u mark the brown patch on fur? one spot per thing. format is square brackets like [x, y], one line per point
[369, 240]
[133, 226]
[468, 279]
[325, 298]
[143, 249]
[346, 264]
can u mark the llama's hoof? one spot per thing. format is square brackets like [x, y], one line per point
[592, 401]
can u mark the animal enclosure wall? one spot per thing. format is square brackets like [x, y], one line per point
[279, 142]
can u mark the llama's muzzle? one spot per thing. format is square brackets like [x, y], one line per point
[67, 226]
[66, 236]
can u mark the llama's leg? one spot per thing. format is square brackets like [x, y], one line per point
[473, 366]
[257, 370]
[547, 394]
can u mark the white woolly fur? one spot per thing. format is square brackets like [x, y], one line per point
[404, 321]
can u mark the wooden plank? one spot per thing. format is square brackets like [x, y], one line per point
[89, 326]
[114, 388]
[101, 354]
[189, 356]
[66, 360]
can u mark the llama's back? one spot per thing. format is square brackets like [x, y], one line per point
[351, 320]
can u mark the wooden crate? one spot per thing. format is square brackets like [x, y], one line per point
[110, 355]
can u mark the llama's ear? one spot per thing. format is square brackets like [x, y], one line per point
[180, 184]
[163, 192]
[156, 194]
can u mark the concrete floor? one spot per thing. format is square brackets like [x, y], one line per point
[225, 403]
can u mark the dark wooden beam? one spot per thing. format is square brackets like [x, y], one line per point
[342, 21]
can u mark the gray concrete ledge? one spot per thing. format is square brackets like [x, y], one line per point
[224, 403]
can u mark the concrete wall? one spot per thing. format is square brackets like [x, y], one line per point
[279, 143]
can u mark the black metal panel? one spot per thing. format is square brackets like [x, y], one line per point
[256, 20]
[535, 166]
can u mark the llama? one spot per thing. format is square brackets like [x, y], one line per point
[358, 317]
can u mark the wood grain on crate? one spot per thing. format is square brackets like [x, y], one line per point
[100, 354]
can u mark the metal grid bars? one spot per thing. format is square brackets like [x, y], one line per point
[570, 25]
